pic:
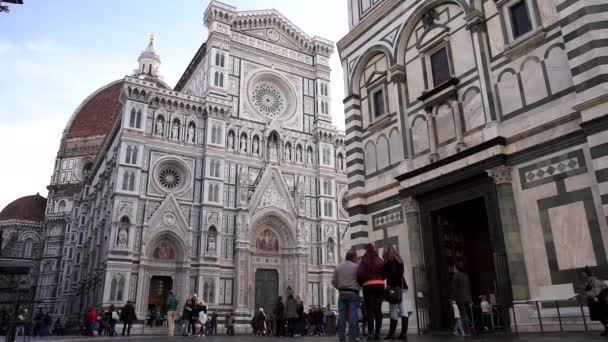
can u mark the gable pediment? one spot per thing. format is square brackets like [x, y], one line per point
[272, 27]
[168, 216]
[273, 192]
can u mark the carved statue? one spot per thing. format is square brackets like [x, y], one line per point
[256, 146]
[289, 153]
[211, 244]
[175, 130]
[309, 157]
[243, 143]
[231, 140]
[122, 237]
[191, 133]
[299, 155]
[330, 252]
[273, 150]
[159, 127]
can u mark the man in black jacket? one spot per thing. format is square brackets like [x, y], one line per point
[127, 316]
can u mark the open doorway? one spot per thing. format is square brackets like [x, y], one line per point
[463, 238]
[461, 226]
[158, 292]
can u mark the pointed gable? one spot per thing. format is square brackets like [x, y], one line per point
[168, 216]
[272, 192]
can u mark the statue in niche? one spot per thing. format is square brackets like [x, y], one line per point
[256, 146]
[211, 244]
[330, 250]
[122, 237]
[191, 133]
[288, 152]
[299, 155]
[175, 130]
[273, 150]
[243, 143]
[159, 127]
[244, 184]
[309, 157]
[231, 140]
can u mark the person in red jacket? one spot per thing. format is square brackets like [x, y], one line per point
[370, 275]
[91, 320]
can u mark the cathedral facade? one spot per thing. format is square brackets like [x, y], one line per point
[229, 185]
[477, 135]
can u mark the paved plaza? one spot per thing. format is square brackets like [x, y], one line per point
[571, 337]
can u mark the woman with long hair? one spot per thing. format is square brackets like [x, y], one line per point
[596, 292]
[393, 267]
[202, 316]
[370, 275]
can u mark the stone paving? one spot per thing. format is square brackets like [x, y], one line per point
[570, 337]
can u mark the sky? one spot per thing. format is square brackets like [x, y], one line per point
[53, 54]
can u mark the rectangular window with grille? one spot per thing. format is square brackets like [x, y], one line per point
[520, 19]
[440, 66]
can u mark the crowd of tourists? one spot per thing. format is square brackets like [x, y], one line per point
[290, 319]
[378, 278]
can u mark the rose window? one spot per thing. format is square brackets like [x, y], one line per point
[268, 99]
[169, 178]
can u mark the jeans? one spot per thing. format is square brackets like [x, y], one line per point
[399, 308]
[465, 313]
[171, 317]
[348, 301]
[458, 327]
[373, 295]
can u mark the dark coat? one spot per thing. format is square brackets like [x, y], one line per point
[393, 271]
[461, 287]
[187, 312]
[279, 311]
[128, 313]
[291, 309]
[371, 267]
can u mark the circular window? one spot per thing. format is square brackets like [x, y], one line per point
[169, 178]
[171, 175]
[268, 99]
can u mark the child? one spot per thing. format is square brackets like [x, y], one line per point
[486, 315]
[458, 330]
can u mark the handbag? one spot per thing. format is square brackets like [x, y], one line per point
[393, 294]
[115, 316]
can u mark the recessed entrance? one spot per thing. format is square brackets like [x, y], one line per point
[159, 290]
[266, 289]
[462, 226]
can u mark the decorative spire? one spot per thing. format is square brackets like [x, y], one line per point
[149, 60]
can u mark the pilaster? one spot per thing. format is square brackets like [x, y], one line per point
[511, 231]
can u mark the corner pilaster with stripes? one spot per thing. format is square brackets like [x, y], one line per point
[584, 26]
[357, 209]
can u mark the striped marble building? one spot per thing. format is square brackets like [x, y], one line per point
[477, 134]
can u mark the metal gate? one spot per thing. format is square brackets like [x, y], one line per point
[421, 298]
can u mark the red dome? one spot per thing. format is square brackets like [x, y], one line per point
[96, 114]
[28, 208]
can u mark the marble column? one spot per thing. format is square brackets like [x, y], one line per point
[434, 156]
[414, 233]
[460, 145]
[511, 231]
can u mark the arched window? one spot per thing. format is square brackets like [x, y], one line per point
[117, 288]
[216, 79]
[222, 80]
[216, 171]
[132, 118]
[209, 292]
[28, 248]
[132, 181]
[217, 59]
[340, 162]
[125, 181]
[222, 60]
[128, 155]
[134, 155]
[138, 119]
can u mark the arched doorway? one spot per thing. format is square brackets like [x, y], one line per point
[266, 289]
[165, 267]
